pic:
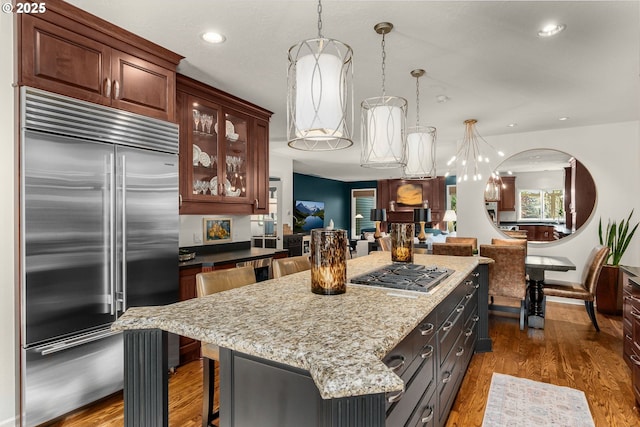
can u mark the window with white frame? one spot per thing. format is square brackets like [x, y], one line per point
[541, 204]
[362, 201]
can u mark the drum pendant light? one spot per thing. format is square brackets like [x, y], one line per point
[421, 143]
[320, 94]
[383, 123]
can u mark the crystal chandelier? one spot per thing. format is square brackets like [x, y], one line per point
[470, 154]
[320, 94]
[421, 143]
[383, 123]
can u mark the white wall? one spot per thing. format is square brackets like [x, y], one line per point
[8, 223]
[611, 153]
[192, 228]
[282, 167]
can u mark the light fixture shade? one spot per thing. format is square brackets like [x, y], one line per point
[320, 95]
[358, 216]
[421, 153]
[450, 215]
[378, 215]
[492, 189]
[422, 215]
[383, 128]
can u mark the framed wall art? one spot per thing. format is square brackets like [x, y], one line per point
[217, 230]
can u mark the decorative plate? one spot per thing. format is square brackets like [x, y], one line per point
[205, 159]
[213, 186]
[230, 129]
[196, 154]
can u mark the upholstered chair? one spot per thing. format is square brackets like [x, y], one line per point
[507, 277]
[208, 283]
[284, 266]
[516, 242]
[473, 241]
[586, 289]
[454, 249]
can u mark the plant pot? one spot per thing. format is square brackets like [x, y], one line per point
[609, 291]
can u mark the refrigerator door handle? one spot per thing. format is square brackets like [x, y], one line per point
[110, 238]
[123, 211]
[74, 342]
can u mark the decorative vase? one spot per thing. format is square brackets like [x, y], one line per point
[402, 242]
[329, 261]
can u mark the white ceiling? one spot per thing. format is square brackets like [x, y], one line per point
[484, 55]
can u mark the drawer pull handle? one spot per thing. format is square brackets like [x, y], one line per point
[468, 332]
[116, 89]
[628, 337]
[477, 285]
[475, 274]
[428, 416]
[468, 282]
[428, 353]
[395, 397]
[447, 325]
[446, 377]
[635, 314]
[107, 87]
[469, 296]
[460, 308]
[634, 298]
[399, 363]
[475, 318]
[460, 352]
[426, 329]
[635, 359]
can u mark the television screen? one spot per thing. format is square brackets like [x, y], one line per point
[307, 215]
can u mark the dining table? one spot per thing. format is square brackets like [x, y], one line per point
[536, 265]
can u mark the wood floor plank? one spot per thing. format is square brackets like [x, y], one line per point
[568, 352]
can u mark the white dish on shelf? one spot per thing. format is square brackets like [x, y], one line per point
[205, 159]
[213, 187]
[196, 154]
[233, 137]
[229, 128]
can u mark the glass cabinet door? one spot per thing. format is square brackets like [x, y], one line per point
[204, 141]
[236, 168]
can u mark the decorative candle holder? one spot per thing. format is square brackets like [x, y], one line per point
[328, 261]
[402, 242]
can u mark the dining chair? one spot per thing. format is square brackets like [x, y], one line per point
[453, 249]
[284, 266]
[384, 243]
[208, 283]
[467, 240]
[515, 242]
[586, 288]
[507, 277]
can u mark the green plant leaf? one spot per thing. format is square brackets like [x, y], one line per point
[618, 238]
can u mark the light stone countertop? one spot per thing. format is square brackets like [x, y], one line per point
[339, 339]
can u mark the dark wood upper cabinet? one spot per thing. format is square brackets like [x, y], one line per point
[508, 194]
[71, 52]
[224, 145]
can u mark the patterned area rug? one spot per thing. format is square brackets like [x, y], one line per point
[519, 402]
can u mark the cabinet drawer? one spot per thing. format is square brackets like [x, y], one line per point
[400, 358]
[447, 379]
[425, 412]
[449, 331]
[400, 405]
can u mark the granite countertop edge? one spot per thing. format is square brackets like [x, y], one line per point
[340, 340]
[239, 255]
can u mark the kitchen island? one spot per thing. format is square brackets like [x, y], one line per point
[324, 354]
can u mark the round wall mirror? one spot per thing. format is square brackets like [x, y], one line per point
[542, 196]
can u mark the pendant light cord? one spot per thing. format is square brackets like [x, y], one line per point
[384, 57]
[319, 19]
[418, 101]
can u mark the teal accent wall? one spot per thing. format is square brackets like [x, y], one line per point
[336, 196]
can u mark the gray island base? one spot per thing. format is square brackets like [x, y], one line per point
[369, 357]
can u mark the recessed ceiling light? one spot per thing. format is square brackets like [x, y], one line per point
[213, 37]
[441, 99]
[562, 119]
[512, 125]
[551, 30]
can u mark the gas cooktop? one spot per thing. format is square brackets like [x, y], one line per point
[410, 277]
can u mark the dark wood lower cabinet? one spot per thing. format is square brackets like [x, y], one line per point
[432, 360]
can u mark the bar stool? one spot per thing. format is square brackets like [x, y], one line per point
[294, 264]
[209, 283]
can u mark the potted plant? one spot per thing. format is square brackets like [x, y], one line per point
[617, 238]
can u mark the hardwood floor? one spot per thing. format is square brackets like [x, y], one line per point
[568, 352]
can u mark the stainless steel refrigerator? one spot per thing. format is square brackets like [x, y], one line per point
[99, 234]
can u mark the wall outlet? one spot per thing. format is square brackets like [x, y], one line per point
[197, 238]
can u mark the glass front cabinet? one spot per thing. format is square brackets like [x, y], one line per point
[224, 152]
